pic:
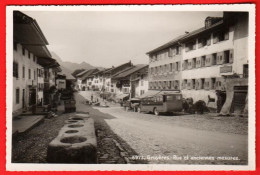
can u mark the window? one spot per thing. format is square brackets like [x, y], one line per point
[190, 46]
[34, 59]
[203, 61]
[194, 63]
[171, 67]
[214, 58]
[141, 92]
[17, 96]
[186, 64]
[23, 50]
[220, 36]
[185, 82]
[15, 46]
[193, 84]
[213, 83]
[203, 41]
[23, 72]
[29, 55]
[177, 66]
[170, 52]
[29, 73]
[245, 70]
[177, 50]
[202, 83]
[15, 70]
[34, 75]
[226, 56]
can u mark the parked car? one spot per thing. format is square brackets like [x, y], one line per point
[132, 104]
[161, 103]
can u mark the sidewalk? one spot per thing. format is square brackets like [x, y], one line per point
[23, 123]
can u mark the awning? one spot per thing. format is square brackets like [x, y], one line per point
[151, 93]
[122, 96]
[169, 92]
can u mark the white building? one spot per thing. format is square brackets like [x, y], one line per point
[29, 47]
[204, 60]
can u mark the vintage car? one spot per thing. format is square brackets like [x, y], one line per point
[132, 104]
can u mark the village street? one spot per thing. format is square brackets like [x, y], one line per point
[166, 139]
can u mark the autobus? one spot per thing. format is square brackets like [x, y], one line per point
[163, 102]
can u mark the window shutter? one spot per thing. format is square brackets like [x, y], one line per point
[207, 85]
[198, 60]
[226, 37]
[189, 84]
[173, 51]
[199, 83]
[209, 41]
[208, 60]
[189, 63]
[170, 52]
[215, 39]
[220, 58]
[194, 46]
[231, 55]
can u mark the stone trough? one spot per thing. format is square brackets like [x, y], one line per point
[75, 143]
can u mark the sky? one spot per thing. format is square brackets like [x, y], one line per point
[110, 38]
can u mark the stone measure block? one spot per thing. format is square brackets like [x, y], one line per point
[75, 143]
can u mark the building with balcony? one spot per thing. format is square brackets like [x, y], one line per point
[29, 52]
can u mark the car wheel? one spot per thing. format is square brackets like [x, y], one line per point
[155, 111]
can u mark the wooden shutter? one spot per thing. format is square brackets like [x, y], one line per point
[190, 64]
[194, 45]
[208, 60]
[220, 57]
[209, 41]
[215, 38]
[199, 83]
[189, 84]
[226, 35]
[198, 62]
[173, 51]
[207, 84]
[231, 55]
[170, 54]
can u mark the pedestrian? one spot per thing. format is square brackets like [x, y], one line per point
[91, 97]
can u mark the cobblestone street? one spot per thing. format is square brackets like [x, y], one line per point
[167, 139]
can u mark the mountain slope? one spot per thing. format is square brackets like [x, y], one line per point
[70, 67]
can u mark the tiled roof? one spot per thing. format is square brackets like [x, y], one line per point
[130, 71]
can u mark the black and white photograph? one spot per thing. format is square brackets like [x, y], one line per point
[131, 87]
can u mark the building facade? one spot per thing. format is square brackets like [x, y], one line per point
[30, 60]
[207, 57]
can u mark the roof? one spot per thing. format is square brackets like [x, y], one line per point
[184, 37]
[82, 73]
[88, 73]
[114, 68]
[28, 33]
[130, 71]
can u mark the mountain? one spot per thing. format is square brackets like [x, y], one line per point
[68, 67]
